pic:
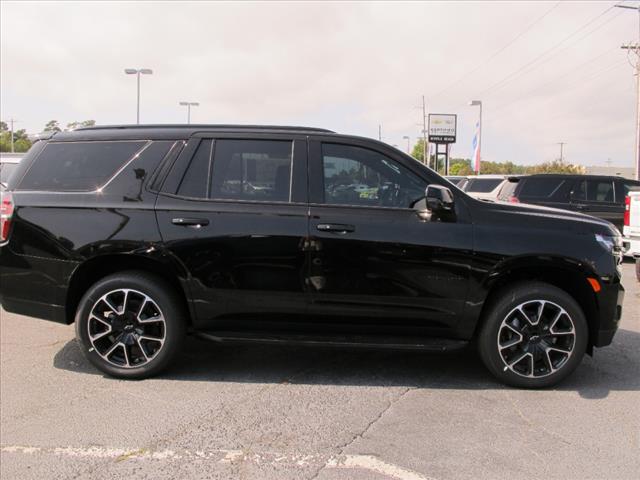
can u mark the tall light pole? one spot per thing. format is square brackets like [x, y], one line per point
[636, 49]
[478, 103]
[189, 105]
[138, 72]
[408, 139]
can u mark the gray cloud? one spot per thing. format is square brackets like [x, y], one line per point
[346, 66]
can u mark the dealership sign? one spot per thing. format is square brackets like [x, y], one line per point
[442, 128]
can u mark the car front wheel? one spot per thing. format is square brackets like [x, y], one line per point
[533, 335]
[130, 325]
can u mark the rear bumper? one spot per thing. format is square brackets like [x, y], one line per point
[34, 286]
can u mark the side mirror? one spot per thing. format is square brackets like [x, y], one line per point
[439, 199]
[437, 204]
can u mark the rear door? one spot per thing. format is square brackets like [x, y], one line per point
[376, 267]
[233, 210]
[546, 190]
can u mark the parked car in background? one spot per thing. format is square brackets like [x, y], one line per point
[8, 163]
[484, 187]
[456, 179]
[599, 196]
[631, 230]
[507, 188]
[140, 234]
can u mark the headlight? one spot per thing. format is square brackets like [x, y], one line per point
[612, 244]
[607, 242]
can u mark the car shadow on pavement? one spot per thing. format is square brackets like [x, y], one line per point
[614, 368]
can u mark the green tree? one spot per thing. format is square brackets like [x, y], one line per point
[556, 166]
[418, 150]
[52, 126]
[3, 127]
[21, 142]
[85, 123]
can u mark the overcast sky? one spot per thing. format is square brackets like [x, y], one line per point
[546, 72]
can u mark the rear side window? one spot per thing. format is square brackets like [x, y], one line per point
[256, 170]
[252, 170]
[595, 191]
[539, 187]
[78, 166]
[194, 182]
[482, 185]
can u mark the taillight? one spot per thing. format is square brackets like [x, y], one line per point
[513, 199]
[627, 211]
[6, 212]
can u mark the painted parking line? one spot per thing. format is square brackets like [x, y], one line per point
[362, 462]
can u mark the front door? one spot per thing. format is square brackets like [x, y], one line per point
[375, 265]
[234, 212]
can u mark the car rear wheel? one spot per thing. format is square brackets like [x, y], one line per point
[533, 335]
[130, 325]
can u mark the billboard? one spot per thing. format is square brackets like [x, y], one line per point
[442, 128]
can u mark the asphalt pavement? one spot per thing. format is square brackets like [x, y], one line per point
[268, 412]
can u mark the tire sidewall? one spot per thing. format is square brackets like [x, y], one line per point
[161, 294]
[508, 300]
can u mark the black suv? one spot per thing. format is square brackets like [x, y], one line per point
[284, 234]
[597, 195]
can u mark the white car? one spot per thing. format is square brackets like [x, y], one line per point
[8, 163]
[485, 187]
[631, 230]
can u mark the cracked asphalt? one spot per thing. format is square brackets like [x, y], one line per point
[269, 412]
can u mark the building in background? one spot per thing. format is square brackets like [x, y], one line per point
[625, 172]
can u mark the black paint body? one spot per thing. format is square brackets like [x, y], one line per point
[266, 268]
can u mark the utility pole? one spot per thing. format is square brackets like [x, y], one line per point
[11, 120]
[636, 49]
[425, 145]
[562, 144]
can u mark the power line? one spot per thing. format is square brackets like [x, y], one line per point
[498, 52]
[513, 74]
[568, 73]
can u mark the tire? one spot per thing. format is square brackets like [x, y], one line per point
[525, 351]
[130, 325]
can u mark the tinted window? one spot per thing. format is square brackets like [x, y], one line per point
[482, 185]
[630, 185]
[78, 166]
[595, 191]
[195, 179]
[358, 176]
[252, 170]
[540, 187]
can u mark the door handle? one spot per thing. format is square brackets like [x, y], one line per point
[191, 222]
[335, 228]
[581, 207]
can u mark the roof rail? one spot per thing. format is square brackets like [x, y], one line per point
[208, 126]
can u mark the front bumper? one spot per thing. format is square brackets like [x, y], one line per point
[610, 300]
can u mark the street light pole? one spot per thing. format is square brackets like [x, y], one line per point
[189, 105]
[478, 103]
[137, 72]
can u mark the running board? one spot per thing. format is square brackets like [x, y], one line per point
[362, 341]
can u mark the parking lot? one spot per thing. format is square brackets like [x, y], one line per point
[314, 413]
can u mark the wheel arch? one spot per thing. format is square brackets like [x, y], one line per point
[96, 268]
[564, 274]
